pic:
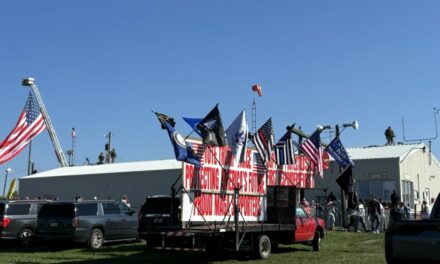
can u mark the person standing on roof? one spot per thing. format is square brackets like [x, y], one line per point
[389, 134]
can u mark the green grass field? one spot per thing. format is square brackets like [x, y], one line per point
[337, 247]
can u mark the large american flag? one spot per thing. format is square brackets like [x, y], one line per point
[29, 125]
[312, 148]
[264, 140]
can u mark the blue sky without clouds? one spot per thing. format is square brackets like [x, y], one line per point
[103, 65]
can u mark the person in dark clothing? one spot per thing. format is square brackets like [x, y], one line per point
[374, 212]
[331, 197]
[101, 158]
[397, 213]
[394, 199]
[389, 134]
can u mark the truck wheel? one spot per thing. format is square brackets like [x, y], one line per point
[263, 247]
[316, 243]
[25, 237]
[96, 239]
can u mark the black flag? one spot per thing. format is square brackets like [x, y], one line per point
[164, 118]
[346, 180]
[212, 129]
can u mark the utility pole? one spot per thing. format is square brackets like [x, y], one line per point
[108, 148]
[53, 136]
[343, 198]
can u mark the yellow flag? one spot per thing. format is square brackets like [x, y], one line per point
[11, 189]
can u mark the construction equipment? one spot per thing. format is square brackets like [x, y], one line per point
[53, 136]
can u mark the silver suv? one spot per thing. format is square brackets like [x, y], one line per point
[92, 222]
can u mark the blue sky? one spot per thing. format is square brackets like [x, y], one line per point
[103, 65]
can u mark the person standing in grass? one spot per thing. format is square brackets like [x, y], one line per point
[374, 212]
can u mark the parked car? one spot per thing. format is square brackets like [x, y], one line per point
[18, 219]
[93, 222]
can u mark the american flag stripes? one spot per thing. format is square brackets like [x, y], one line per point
[312, 148]
[29, 125]
[264, 140]
[284, 151]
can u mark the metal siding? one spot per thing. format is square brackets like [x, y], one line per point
[137, 185]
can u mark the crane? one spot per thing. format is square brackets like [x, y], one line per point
[30, 82]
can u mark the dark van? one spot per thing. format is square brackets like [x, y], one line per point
[92, 222]
[18, 219]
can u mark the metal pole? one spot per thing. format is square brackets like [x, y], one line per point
[108, 158]
[29, 158]
[4, 186]
[236, 215]
[343, 198]
[53, 136]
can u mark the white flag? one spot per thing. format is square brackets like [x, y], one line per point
[237, 135]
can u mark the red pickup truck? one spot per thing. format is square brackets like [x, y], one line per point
[414, 241]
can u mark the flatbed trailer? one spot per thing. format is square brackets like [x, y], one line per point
[251, 206]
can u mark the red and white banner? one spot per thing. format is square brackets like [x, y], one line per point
[208, 191]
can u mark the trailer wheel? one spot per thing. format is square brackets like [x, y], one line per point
[263, 247]
[316, 243]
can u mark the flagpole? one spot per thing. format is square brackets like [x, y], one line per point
[29, 158]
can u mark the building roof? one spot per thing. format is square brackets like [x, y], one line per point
[154, 165]
[400, 151]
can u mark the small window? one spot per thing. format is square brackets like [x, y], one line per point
[18, 209]
[123, 208]
[86, 209]
[57, 210]
[110, 208]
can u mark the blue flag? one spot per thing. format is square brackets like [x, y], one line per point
[182, 149]
[193, 122]
[338, 152]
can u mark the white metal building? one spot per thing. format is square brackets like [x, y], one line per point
[135, 179]
[410, 169]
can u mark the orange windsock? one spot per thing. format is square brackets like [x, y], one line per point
[257, 88]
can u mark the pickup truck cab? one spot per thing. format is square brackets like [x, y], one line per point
[414, 240]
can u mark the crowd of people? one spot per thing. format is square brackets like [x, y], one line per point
[371, 216]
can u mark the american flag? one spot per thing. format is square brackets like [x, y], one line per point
[264, 140]
[29, 125]
[257, 164]
[284, 151]
[312, 148]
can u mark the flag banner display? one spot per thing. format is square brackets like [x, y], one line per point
[164, 118]
[29, 125]
[237, 135]
[212, 129]
[338, 152]
[182, 149]
[346, 180]
[208, 191]
[312, 148]
[11, 189]
[193, 122]
[264, 140]
[284, 151]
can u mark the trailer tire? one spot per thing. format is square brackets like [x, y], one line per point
[263, 247]
[316, 243]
